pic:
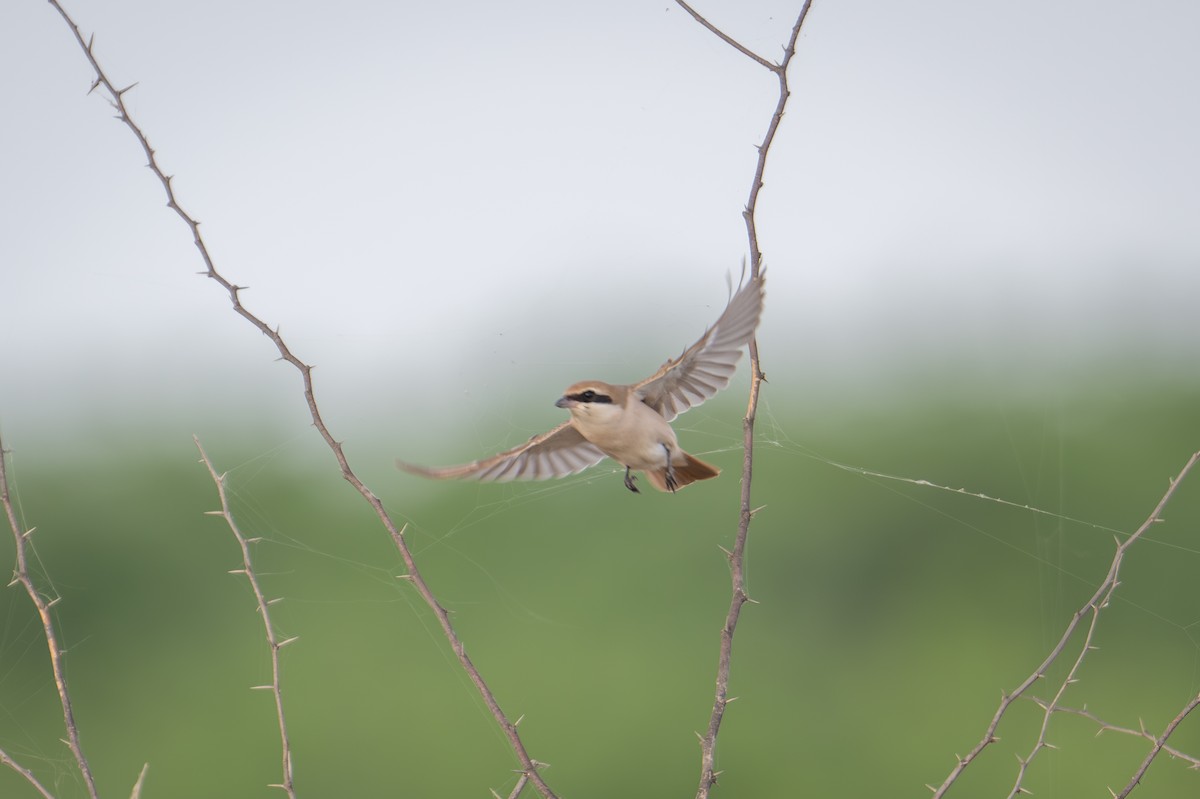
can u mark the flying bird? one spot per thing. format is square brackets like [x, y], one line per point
[630, 423]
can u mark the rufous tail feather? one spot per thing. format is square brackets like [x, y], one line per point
[686, 473]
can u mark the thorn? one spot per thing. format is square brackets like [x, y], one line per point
[519, 720]
[214, 513]
[53, 602]
[754, 511]
[28, 533]
[275, 600]
[95, 85]
[237, 571]
[254, 540]
[127, 88]
[262, 687]
[287, 641]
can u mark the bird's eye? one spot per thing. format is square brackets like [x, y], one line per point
[593, 396]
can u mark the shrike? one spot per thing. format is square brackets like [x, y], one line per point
[630, 424]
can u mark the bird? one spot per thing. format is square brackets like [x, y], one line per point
[630, 423]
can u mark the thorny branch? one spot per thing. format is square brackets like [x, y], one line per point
[529, 766]
[264, 610]
[21, 575]
[1192, 761]
[708, 741]
[1048, 708]
[1093, 606]
[1159, 744]
[7, 760]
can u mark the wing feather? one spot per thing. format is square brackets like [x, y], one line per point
[706, 367]
[557, 453]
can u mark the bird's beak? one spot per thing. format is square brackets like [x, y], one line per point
[565, 402]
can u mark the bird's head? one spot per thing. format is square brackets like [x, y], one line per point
[593, 399]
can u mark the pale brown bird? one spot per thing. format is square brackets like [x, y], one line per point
[630, 424]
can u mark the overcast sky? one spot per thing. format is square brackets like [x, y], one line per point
[446, 205]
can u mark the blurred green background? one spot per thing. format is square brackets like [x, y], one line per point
[889, 616]
[983, 274]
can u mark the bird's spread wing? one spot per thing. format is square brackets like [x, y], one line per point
[705, 367]
[558, 453]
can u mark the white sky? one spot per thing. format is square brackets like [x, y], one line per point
[447, 206]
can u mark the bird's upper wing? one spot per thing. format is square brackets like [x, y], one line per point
[558, 453]
[705, 367]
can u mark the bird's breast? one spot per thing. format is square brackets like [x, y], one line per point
[634, 436]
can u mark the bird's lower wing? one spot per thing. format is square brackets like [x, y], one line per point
[557, 453]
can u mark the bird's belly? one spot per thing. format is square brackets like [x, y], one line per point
[639, 454]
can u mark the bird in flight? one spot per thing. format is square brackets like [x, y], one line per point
[630, 423]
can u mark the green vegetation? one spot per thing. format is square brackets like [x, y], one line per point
[891, 615]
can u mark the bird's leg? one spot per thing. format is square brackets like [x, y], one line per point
[629, 481]
[672, 483]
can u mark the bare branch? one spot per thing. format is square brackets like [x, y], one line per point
[729, 40]
[136, 793]
[21, 575]
[708, 741]
[1093, 606]
[1159, 744]
[273, 641]
[1049, 708]
[24, 772]
[1192, 760]
[528, 766]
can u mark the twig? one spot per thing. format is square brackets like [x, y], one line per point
[1048, 708]
[1179, 754]
[1159, 744]
[736, 556]
[26, 773]
[264, 610]
[21, 575]
[729, 40]
[528, 766]
[136, 793]
[1093, 606]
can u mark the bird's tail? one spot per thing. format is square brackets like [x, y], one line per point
[684, 472]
